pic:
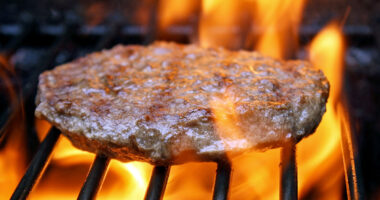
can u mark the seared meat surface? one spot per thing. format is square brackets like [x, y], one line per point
[159, 103]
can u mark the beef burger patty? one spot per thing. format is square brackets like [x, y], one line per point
[156, 103]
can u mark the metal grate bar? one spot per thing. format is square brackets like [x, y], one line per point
[289, 187]
[37, 166]
[41, 159]
[95, 178]
[222, 181]
[361, 31]
[351, 165]
[157, 183]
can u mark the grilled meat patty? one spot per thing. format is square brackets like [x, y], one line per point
[168, 103]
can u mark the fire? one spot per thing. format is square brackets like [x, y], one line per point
[278, 22]
[6, 70]
[13, 150]
[327, 53]
[190, 181]
[174, 12]
[319, 159]
[226, 121]
[221, 24]
[13, 161]
[255, 174]
[275, 25]
[68, 169]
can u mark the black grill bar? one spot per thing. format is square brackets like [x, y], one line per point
[95, 178]
[157, 183]
[288, 169]
[360, 31]
[352, 170]
[222, 181]
[37, 166]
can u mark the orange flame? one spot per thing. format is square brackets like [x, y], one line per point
[190, 181]
[173, 12]
[278, 22]
[14, 154]
[322, 150]
[226, 120]
[327, 53]
[68, 169]
[319, 159]
[222, 23]
[13, 161]
[255, 174]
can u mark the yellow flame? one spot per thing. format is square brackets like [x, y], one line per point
[173, 11]
[190, 181]
[226, 121]
[277, 22]
[131, 181]
[255, 174]
[13, 160]
[319, 154]
[69, 167]
[13, 151]
[220, 23]
[319, 159]
[327, 53]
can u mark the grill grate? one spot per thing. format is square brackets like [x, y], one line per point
[64, 34]
[159, 177]
[157, 183]
[95, 178]
[37, 166]
[289, 185]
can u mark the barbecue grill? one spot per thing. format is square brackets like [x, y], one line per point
[68, 38]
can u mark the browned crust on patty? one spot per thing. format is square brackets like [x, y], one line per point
[152, 103]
